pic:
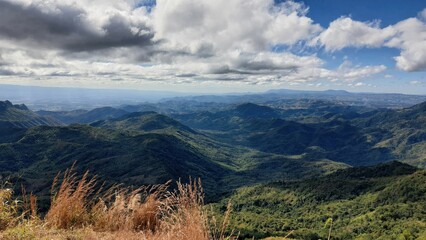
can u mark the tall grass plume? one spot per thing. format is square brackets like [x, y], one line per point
[81, 207]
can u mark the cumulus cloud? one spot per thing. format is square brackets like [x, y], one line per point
[185, 41]
[408, 35]
[411, 39]
[203, 27]
[74, 25]
[345, 32]
[361, 72]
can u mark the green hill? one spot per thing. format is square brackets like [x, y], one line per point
[14, 119]
[19, 116]
[319, 129]
[143, 122]
[145, 148]
[315, 128]
[301, 110]
[149, 158]
[291, 173]
[334, 139]
[84, 116]
[381, 202]
[402, 131]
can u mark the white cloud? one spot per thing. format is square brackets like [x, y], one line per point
[411, 39]
[93, 42]
[345, 32]
[179, 40]
[415, 82]
[422, 14]
[223, 25]
[360, 84]
[408, 35]
[348, 72]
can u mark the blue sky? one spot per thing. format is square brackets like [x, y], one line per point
[215, 46]
[388, 13]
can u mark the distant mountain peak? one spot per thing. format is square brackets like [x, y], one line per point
[7, 104]
[21, 106]
[19, 116]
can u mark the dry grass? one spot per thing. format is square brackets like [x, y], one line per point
[121, 209]
[80, 211]
[184, 216]
[70, 204]
[8, 209]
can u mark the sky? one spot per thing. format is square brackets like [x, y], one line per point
[215, 46]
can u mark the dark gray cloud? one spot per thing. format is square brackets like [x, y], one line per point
[4, 72]
[259, 65]
[253, 68]
[225, 69]
[230, 78]
[186, 75]
[66, 29]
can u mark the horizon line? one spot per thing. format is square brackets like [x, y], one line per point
[189, 93]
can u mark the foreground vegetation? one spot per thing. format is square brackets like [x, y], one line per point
[385, 202]
[81, 210]
[380, 202]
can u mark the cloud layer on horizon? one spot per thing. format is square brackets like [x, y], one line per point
[191, 41]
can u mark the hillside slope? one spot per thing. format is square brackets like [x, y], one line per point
[321, 130]
[402, 131]
[84, 116]
[381, 202]
[148, 158]
[143, 122]
[145, 148]
[14, 119]
[20, 116]
[269, 131]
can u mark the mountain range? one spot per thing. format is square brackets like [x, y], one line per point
[311, 153]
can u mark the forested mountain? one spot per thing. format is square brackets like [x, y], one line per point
[380, 202]
[389, 100]
[401, 131]
[144, 148]
[19, 116]
[285, 165]
[14, 119]
[84, 116]
[143, 122]
[119, 158]
[352, 135]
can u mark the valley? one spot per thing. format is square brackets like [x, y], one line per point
[284, 165]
